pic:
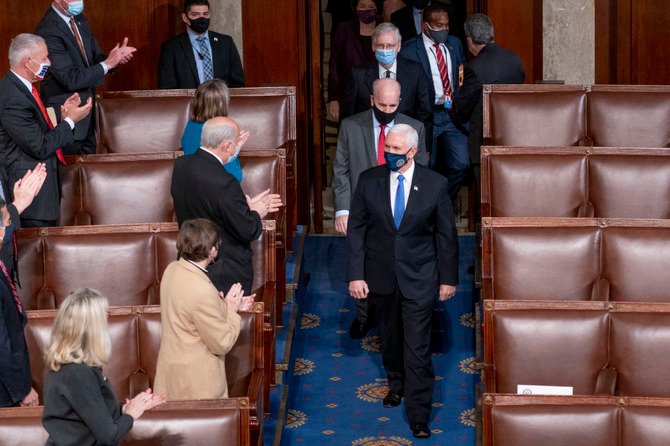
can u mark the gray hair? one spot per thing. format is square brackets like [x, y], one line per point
[376, 84]
[383, 28]
[23, 45]
[215, 134]
[479, 28]
[411, 136]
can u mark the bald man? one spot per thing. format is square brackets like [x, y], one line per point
[360, 145]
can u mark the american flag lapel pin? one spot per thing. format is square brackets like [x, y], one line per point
[216, 39]
[416, 188]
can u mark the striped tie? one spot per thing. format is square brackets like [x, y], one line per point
[444, 73]
[12, 288]
[203, 50]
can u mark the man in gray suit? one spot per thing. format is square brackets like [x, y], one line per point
[360, 146]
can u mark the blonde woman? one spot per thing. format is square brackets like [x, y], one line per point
[80, 407]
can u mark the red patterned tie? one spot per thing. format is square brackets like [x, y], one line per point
[381, 145]
[36, 95]
[12, 288]
[444, 73]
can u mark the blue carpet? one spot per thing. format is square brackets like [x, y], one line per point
[336, 384]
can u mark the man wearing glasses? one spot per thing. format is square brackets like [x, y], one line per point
[415, 100]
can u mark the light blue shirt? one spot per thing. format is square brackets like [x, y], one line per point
[196, 52]
[417, 19]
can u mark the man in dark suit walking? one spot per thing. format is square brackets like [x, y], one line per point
[202, 188]
[408, 19]
[441, 57]
[78, 65]
[403, 253]
[27, 135]
[197, 55]
[416, 101]
[360, 145]
[491, 65]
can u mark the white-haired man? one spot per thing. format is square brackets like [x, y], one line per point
[403, 255]
[27, 134]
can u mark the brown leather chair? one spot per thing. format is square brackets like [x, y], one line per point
[635, 260]
[537, 343]
[540, 260]
[534, 115]
[645, 422]
[214, 422]
[640, 352]
[520, 182]
[515, 420]
[631, 184]
[629, 115]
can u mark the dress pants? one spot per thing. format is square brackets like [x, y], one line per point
[405, 330]
[449, 155]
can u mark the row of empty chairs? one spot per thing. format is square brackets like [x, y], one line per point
[574, 115]
[574, 251]
[595, 348]
[515, 420]
[600, 182]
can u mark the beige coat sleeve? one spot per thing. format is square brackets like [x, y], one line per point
[218, 327]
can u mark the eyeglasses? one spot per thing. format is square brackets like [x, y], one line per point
[387, 46]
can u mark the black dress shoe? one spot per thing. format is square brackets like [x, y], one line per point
[358, 329]
[420, 430]
[392, 399]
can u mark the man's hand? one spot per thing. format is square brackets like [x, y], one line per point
[71, 109]
[447, 292]
[358, 289]
[31, 399]
[334, 110]
[29, 186]
[120, 54]
[264, 203]
[341, 224]
[244, 135]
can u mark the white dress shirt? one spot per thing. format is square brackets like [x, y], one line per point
[393, 69]
[434, 68]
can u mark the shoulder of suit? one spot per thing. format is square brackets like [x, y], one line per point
[373, 173]
[429, 174]
[402, 118]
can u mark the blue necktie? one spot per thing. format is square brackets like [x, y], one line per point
[203, 51]
[399, 202]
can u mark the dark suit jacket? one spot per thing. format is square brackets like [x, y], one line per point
[415, 101]
[201, 188]
[403, 19]
[15, 379]
[25, 140]
[177, 69]
[493, 65]
[415, 50]
[346, 52]
[421, 254]
[69, 73]
[357, 151]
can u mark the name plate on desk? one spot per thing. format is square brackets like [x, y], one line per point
[523, 389]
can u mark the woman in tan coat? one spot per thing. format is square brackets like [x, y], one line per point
[199, 325]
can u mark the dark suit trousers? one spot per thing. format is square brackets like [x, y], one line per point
[404, 327]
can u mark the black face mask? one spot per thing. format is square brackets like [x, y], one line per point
[200, 25]
[382, 117]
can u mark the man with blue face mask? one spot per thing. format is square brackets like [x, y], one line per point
[402, 253]
[441, 57]
[78, 65]
[414, 85]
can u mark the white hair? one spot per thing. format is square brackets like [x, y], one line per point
[23, 45]
[386, 27]
[215, 134]
[411, 136]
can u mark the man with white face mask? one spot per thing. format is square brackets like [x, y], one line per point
[27, 135]
[78, 64]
